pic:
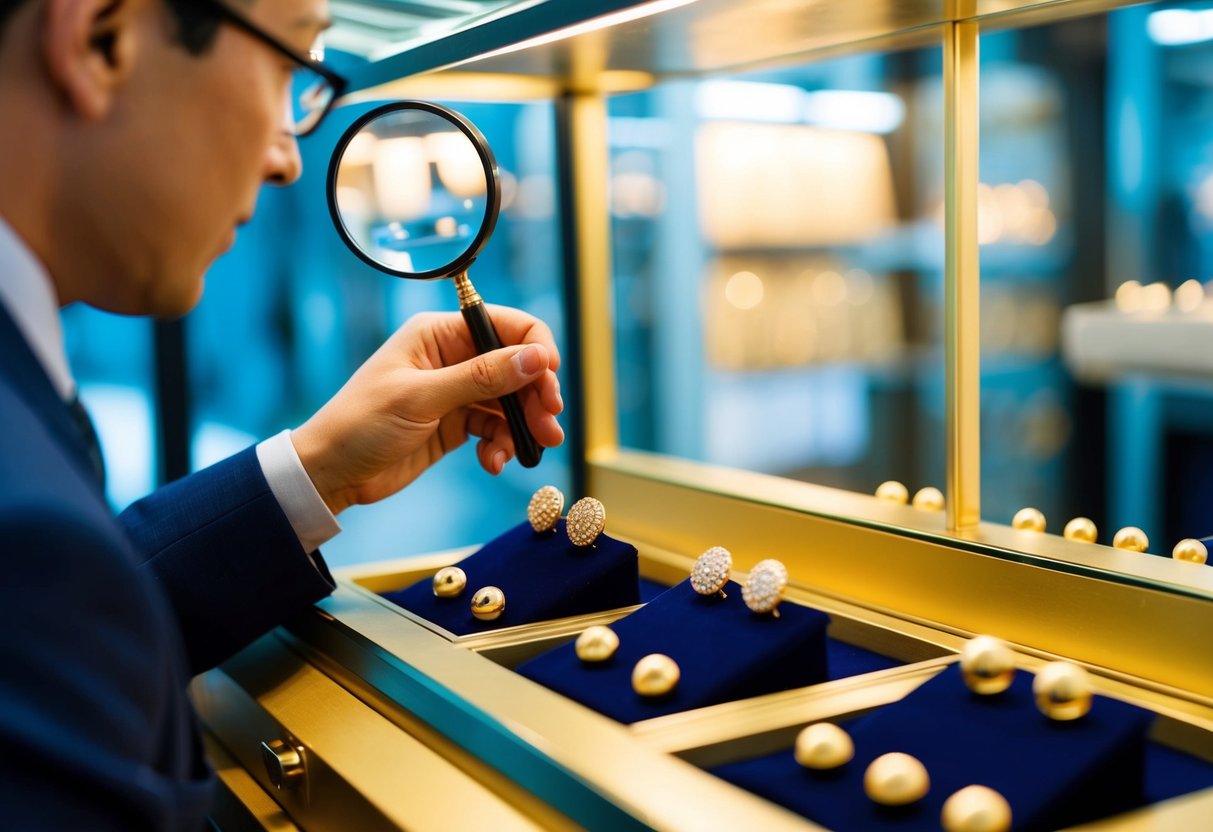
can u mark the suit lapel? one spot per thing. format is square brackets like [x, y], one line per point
[23, 370]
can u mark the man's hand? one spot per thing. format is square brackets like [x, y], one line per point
[422, 394]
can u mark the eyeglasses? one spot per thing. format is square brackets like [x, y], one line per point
[314, 87]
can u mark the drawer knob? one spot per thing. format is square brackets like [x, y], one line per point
[283, 763]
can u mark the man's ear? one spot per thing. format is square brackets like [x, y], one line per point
[88, 47]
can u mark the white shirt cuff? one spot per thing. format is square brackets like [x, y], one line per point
[311, 519]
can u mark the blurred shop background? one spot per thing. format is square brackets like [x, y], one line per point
[778, 258]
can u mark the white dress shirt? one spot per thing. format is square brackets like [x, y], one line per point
[29, 297]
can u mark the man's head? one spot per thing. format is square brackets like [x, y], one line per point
[139, 136]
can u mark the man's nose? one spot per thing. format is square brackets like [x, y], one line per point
[283, 164]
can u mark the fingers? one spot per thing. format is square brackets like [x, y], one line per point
[492, 458]
[496, 446]
[442, 338]
[478, 379]
[447, 376]
[518, 327]
[541, 419]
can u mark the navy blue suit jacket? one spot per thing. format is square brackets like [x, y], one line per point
[104, 619]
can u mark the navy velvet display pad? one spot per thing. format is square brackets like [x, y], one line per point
[847, 660]
[1170, 773]
[1053, 774]
[723, 650]
[543, 576]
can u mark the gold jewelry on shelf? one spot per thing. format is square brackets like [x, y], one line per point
[586, 520]
[987, 665]
[1029, 520]
[1062, 691]
[1081, 529]
[596, 644]
[896, 779]
[711, 571]
[1132, 539]
[976, 809]
[655, 675]
[449, 582]
[1191, 550]
[893, 492]
[545, 508]
[764, 589]
[488, 603]
[928, 499]
[823, 746]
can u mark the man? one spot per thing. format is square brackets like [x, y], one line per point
[135, 138]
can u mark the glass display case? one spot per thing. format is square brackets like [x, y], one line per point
[808, 248]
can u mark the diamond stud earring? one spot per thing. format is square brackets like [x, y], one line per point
[711, 572]
[764, 589]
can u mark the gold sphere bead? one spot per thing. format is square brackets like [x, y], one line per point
[596, 644]
[823, 746]
[1081, 529]
[449, 581]
[1062, 691]
[1131, 538]
[655, 675]
[893, 491]
[544, 509]
[987, 665]
[586, 520]
[896, 779]
[488, 603]
[1191, 550]
[1029, 520]
[976, 809]
[928, 499]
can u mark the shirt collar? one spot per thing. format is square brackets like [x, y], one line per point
[29, 296]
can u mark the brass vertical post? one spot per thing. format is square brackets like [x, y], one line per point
[589, 165]
[962, 345]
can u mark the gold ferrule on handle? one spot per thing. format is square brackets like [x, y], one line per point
[468, 296]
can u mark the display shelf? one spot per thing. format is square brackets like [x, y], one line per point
[1103, 344]
[994, 741]
[458, 698]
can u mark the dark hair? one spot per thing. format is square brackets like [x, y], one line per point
[197, 24]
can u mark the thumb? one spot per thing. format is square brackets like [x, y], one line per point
[487, 376]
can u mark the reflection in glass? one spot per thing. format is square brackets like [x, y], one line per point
[794, 212]
[1095, 250]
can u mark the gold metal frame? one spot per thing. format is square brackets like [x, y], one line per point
[962, 280]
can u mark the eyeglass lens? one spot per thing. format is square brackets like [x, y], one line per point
[310, 97]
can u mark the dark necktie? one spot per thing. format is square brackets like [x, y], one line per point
[89, 435]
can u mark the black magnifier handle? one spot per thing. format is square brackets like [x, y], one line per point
[484, 336]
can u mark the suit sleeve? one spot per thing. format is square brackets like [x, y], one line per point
[83, 703]
[225, 555]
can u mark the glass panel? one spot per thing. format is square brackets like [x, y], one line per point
[1096, 214]
[297, 312]
[778, 258]
[370, 29]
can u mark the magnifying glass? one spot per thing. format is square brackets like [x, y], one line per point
[413, 190]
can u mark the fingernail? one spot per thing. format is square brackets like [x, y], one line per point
[531, 360]
[499, 460]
